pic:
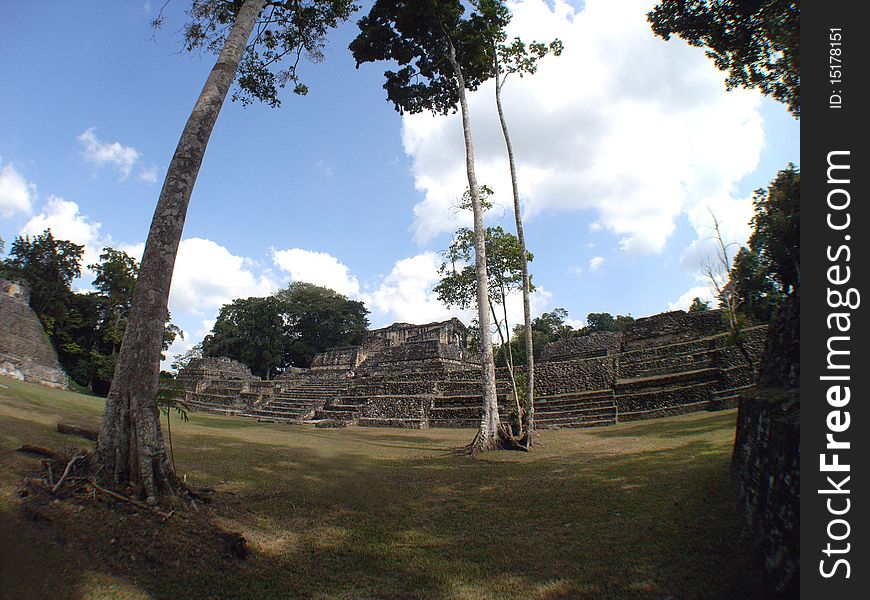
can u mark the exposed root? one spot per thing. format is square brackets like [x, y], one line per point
[503, 441]
[79, 479]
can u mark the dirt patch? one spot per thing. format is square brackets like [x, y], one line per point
[128, 541]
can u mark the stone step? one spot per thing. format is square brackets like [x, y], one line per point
[384, 422]
[579, 412]
[577, 418]
[666, 381]
[572, 425]
[335, 415]
[572, 402]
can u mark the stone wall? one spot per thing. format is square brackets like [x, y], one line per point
[26, 353]
[339, 359]
[766, 470]
[600, 343]
[671, 327]
[554, 377]
[450, 332]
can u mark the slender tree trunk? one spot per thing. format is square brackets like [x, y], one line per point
[130, 450]
[509, 359]
[510, 362]
[527, 312]
[488, 436]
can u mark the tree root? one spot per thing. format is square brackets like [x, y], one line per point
[504, 441]
[123, 498]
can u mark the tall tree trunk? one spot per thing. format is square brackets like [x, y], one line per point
[510, 361]
[130, 449]
[527, 312]
[488, 436]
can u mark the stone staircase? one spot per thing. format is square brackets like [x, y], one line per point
[219, 396]
[673, 379]
[593, 408]
[296, 400]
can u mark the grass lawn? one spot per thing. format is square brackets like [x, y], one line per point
[637, 511]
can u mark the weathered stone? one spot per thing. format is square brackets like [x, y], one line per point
[26, 353]
[766, 470]
[424, 375]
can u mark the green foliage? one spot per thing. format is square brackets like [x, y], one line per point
[776, 229]
[251, 331]
[606, 322]
[289, 328]
[48, 266]
[553, 324]
[458, 285]
[182, 360]
[699, 305]
[285, 30]
[756, 41]
[317, 319]
[546, 328]
[418, 35]
[86, 329]
[752, 283]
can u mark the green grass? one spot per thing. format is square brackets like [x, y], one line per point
[637, 511]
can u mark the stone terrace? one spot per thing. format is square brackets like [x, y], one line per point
[423, 376]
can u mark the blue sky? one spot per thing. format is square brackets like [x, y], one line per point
[623, 144]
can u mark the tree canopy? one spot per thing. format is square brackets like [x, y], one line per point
[284, 30]
[756, 41]
[318, 319]
[503, 264]
[251, 331]
[776, 228]
[417, 35]
[286, 329]
[48, 265]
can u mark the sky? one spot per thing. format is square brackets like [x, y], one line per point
[625, 145]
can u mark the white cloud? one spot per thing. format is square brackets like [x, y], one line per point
[66, 223]
[733, 216]
[122, 158]
[318, 268]
[406, 293]
[207, 276]
[623, 124]
[595, 263]
[148, 174]
[16, 194]
[704, 292]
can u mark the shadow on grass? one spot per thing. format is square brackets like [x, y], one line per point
[683, 426]
[376, 514]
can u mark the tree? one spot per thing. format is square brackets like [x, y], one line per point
[553, 324]
[442, 54]
[48, 265]
[517, 58]
[130, 448]
[251, 331]
[182, 360]
[754, 287]
[776, 225]
[699, 305]
[504, 267]
[756, 41]
[317, 319]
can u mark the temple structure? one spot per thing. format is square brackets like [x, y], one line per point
[26, 353]
[425, 376]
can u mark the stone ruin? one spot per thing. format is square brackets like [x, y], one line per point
[425, 376]
[26, 352]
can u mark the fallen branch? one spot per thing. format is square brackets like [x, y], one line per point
[136, 503]
[38, 451]
[66, 471]
[70, 429]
